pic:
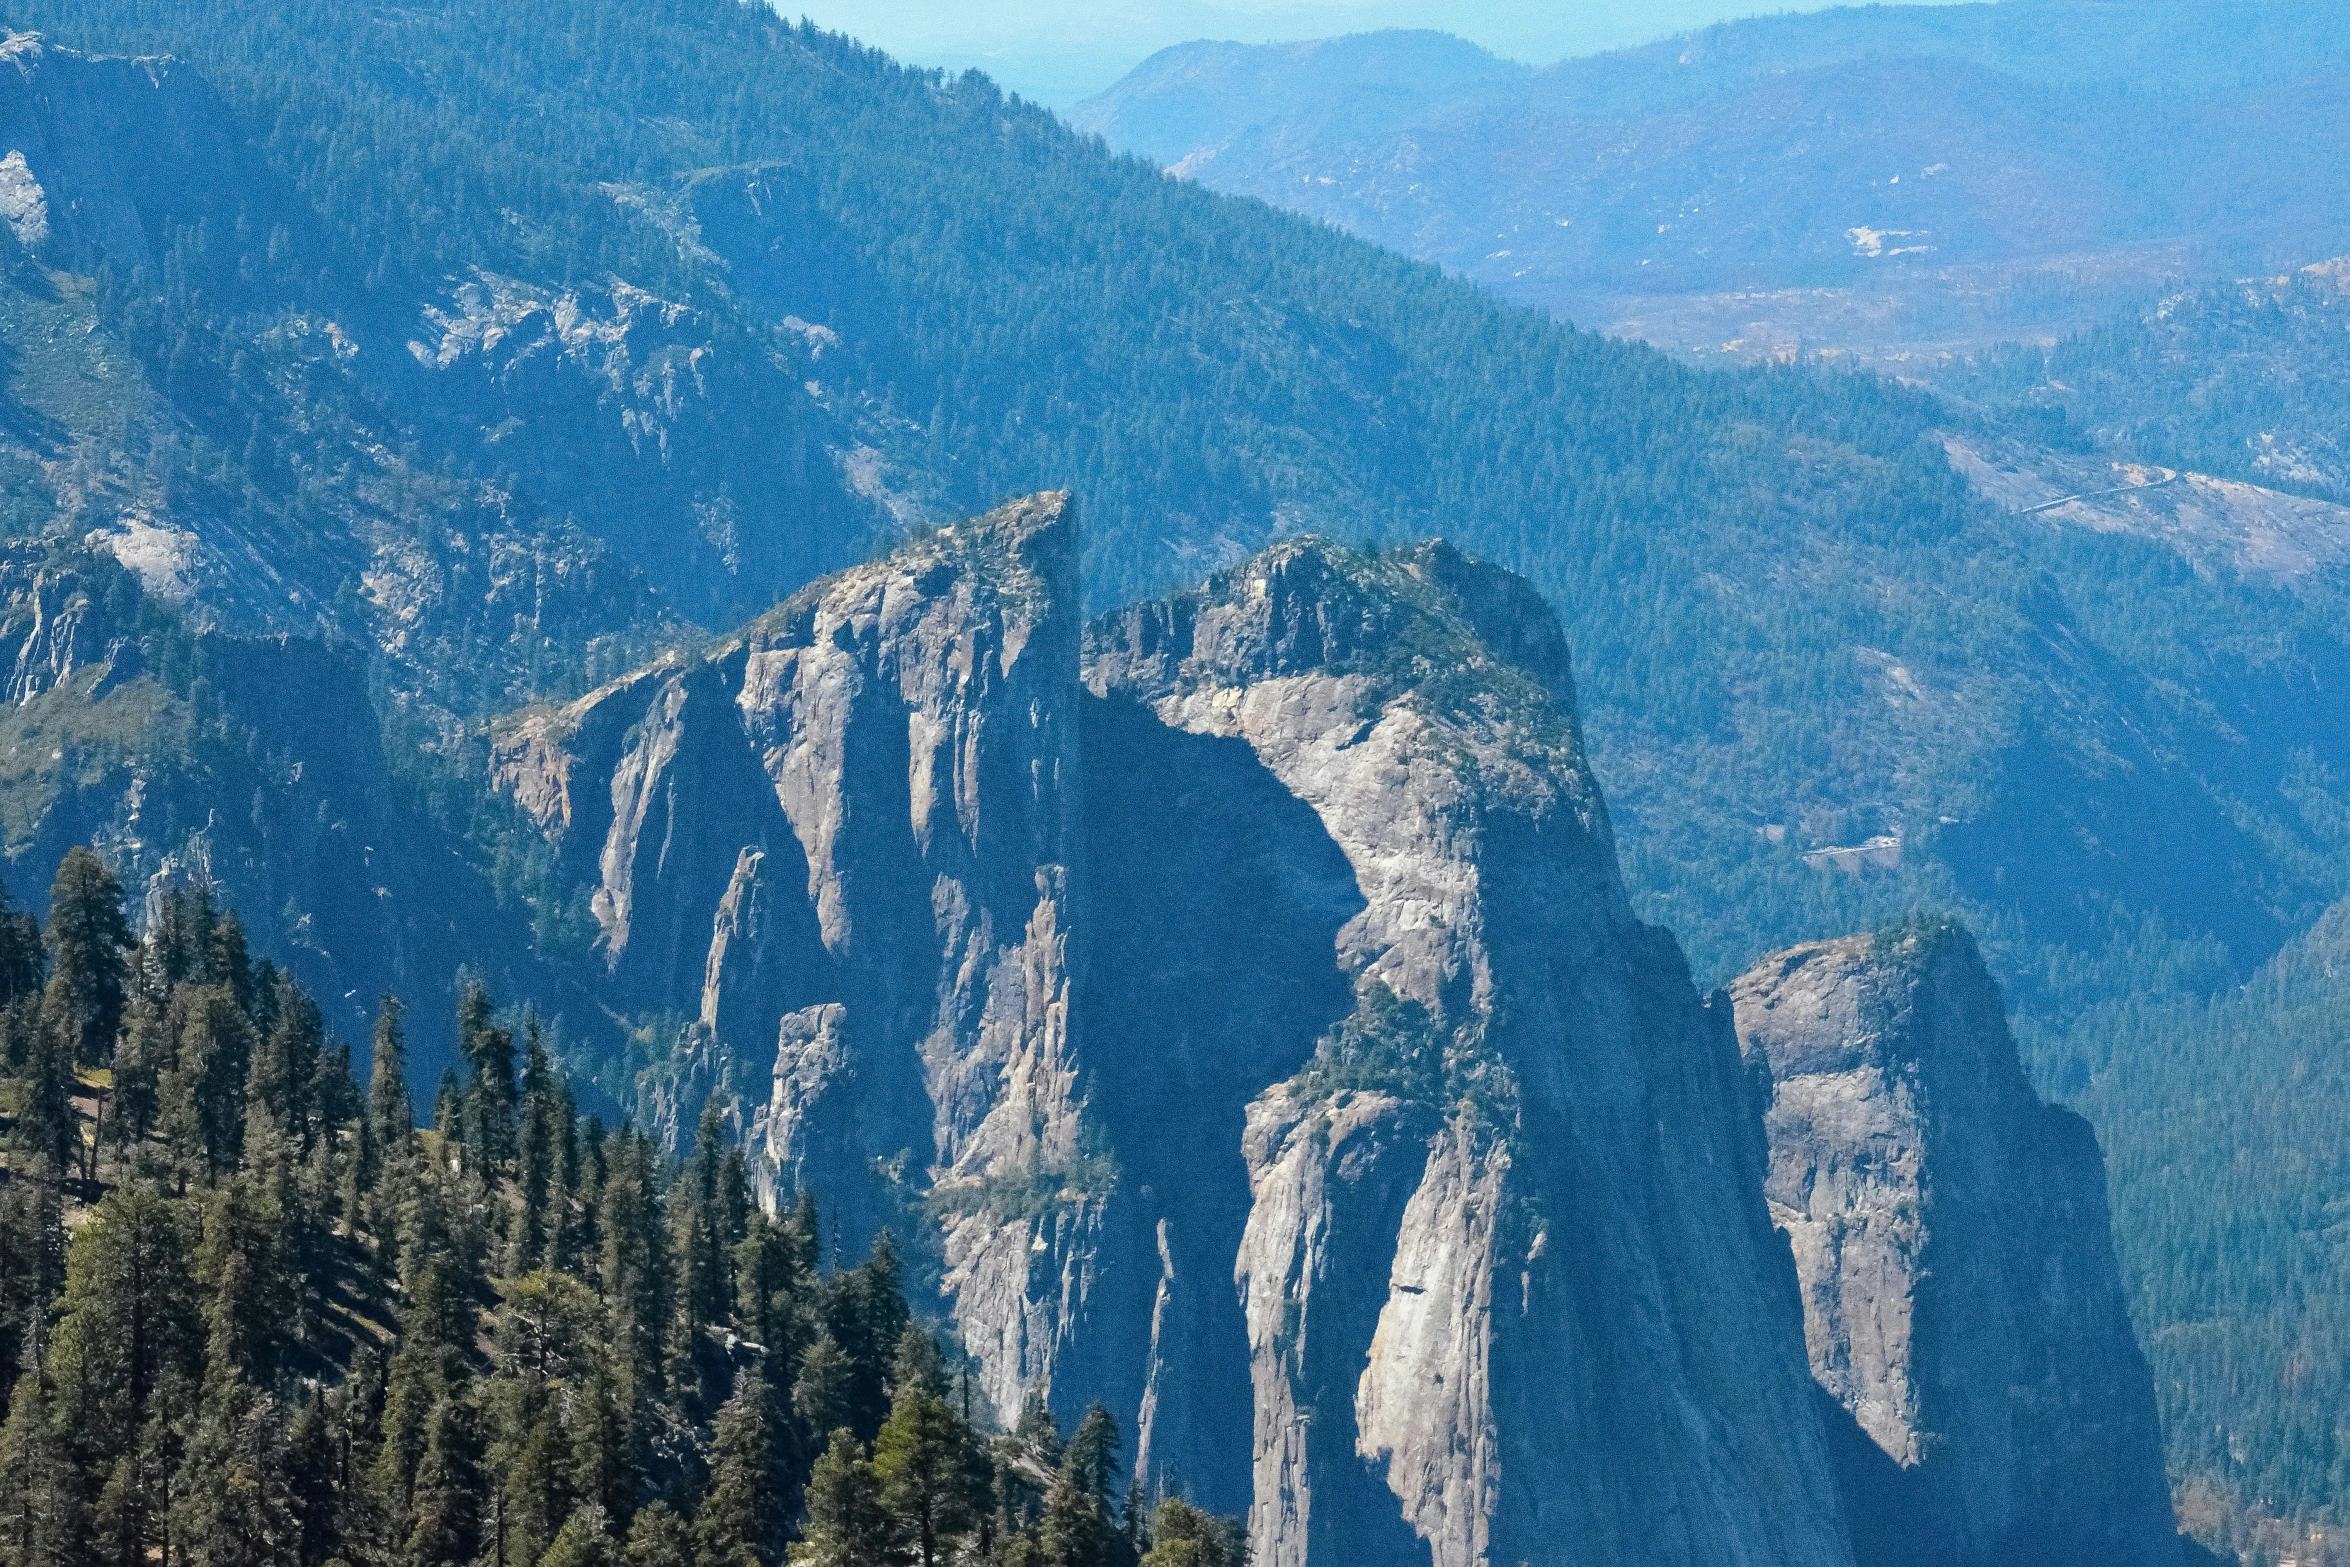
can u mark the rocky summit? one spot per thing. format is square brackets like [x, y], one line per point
[1962, 1306]
[1236, 1007]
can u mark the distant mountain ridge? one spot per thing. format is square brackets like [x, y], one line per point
[1912, 161]
[528, 389]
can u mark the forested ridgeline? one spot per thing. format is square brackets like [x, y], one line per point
[1796, 630]
[252, 1315]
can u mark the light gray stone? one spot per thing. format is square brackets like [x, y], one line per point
[1962, 1305]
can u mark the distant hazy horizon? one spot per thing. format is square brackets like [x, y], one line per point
[1061, 51]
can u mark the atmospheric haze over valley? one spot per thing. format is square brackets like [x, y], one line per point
[1451, 789]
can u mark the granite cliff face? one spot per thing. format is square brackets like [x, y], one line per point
[1455, 1247]
[1962, 1305]
[1504, 1259]
[836, 844]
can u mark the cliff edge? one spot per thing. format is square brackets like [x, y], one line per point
[1962, 1306]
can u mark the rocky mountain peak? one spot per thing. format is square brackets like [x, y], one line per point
[1458, 1245]
[1962, 1305]
[1423, 617]
[1457, 1123]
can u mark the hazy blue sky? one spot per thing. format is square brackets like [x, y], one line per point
[1059, 51]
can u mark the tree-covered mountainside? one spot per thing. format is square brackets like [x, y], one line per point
[487, 348]
[253, 1317]
[1798, 632]
[2246, 380]
[1879, 180]
[261, 764]
[2226, 1123]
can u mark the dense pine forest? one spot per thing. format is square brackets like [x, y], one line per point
[251, 1315]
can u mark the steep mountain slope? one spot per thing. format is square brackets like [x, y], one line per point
[1961, 1301]
[254, 762]
[931, 868]
[2246, 380]
[487, 411]
[2225, 1124]
[1822, 680]
[1874, 179]
[1519, 1040]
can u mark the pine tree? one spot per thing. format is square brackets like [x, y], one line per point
[450, 1121]
[446, 1504]
[698, 1266]
[46, 1127]
[865, 1311]
[1036, 1431]
[585, 1541]
[848, 1526]
[388, 1135]
[139, 1063]
[284, 1072]
[566, 1191]
[179, 947]
[23, 966]
[203, 1101]
[733, 1208]
[42, 1523]
[1183, 1536]
[717, 1221]
[486, 1105]
[1075, 1531]
[771, 1297]
[132, 1513]
[633, 1270]
[660, 1538]
[232, 1504]
[822, 1396]
[603, 1466]
[413, 1389]
[1094, 1452]
[924, 1456]
[535, 1156]
[311, 1480]
[128, 1326]
[32, 1271]
[390, 1117]
[733, 1527]
[545, 1332]
[531, 1494]
[87, 938]
[594, 1170]
[243, 1264]
[229, 965]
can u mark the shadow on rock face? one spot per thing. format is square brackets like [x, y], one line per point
[1213, 904]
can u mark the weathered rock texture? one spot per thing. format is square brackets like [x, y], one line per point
[1301, 1083]
[1507, 1279]
[1961, 1301]
[1241, 1019]
[836, 844]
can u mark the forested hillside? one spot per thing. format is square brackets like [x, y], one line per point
[251, 1315]
[1883, 181]
[1797, 631]
[488, 350]
[2248, 380]
[2227, 1124]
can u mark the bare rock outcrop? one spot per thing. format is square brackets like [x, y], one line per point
[1505, 1256]
[1962, 1304]
[1244, 1024]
